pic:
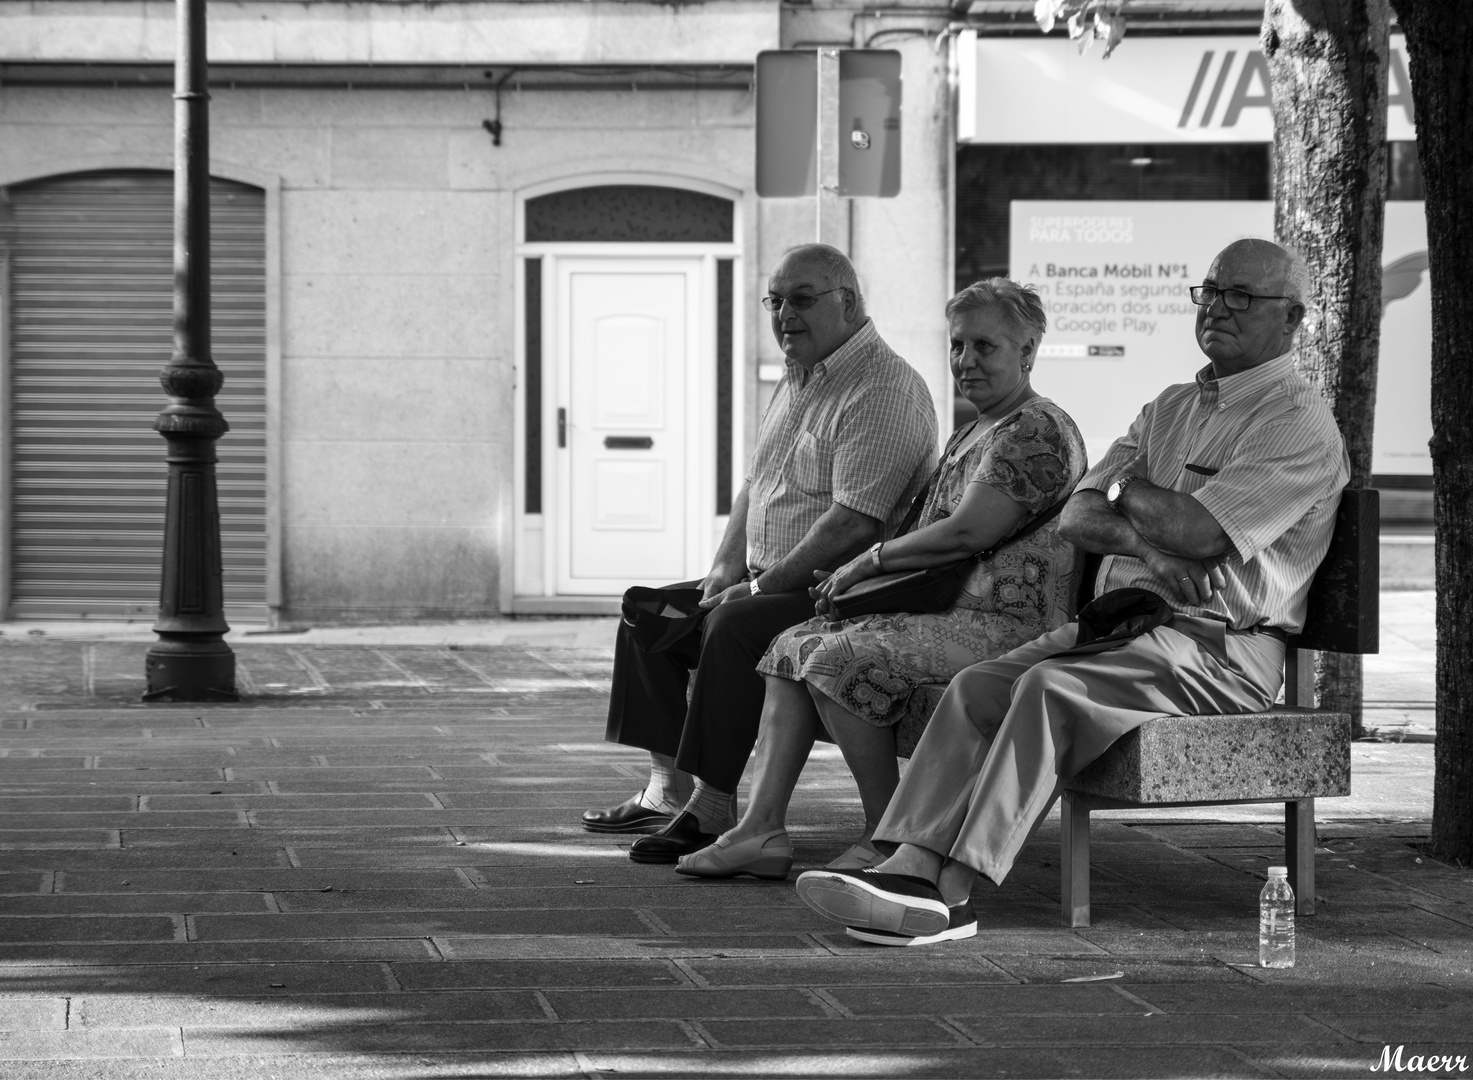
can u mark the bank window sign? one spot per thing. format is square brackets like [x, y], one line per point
[1152, 90]
[1113, 277]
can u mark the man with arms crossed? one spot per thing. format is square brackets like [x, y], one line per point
[1220, 498]
[847, 442]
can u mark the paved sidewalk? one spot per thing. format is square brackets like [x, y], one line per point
[373, 868]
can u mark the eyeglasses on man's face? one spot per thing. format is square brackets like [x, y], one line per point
[798, 301]
[1235, 299]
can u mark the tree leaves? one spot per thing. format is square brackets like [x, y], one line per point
[1085, 20]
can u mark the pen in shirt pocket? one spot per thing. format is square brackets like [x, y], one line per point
[1202, 470]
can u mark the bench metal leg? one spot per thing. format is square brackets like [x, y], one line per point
[1074, 860]
[1299, 678]
[1299, 852]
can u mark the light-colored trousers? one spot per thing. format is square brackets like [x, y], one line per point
[1009, 731]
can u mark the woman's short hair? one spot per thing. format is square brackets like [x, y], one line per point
[1020, 305]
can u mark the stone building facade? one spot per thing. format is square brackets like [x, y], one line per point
[486, 284]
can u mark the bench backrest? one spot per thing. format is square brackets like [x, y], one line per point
[1344, 612]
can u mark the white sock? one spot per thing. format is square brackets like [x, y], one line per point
[715, 810]
[668, 787]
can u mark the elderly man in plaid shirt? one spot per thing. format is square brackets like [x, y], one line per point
[848, 441]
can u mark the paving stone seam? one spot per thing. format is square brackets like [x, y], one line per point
[1142, 1002]
[1249, 1059]
[830, 1005]
[546, 1006]
[687, 974]
[414, 679]
[954, 1024]
[462, 662]
[1343, 1037]
[1398, 888]
[1252, 972]
[312, 672]
[699, 1036]
[958, 1031]
[91, 915]
[836, 1010]
[654, 922]
[596, 687]
[1411, 941]
[248, 685]
[815, 940]
[1441, 914]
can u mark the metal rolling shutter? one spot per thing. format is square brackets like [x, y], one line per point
[91, 301]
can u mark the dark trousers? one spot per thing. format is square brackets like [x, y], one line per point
[714, 735]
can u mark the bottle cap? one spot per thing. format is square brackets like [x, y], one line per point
[1278, 872]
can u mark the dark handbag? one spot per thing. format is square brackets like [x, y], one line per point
[1121, 614]
[923, 592]
[658, 618]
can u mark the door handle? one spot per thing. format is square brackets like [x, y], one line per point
[562, 429]
[628, 442]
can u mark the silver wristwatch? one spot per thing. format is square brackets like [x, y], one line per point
[1117, 489]
[756, 590]
[875, 551]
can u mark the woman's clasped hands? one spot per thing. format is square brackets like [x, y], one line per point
[836, 583]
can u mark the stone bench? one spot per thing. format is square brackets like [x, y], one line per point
[1291, 754]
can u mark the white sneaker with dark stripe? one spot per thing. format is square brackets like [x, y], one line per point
[963, 924]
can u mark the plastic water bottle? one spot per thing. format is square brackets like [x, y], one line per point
[1276, 920]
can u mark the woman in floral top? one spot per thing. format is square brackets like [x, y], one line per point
[861, 680]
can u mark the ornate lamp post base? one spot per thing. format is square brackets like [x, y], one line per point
[190, 661]
[190, 667]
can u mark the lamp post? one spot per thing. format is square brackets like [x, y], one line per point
[190, 661]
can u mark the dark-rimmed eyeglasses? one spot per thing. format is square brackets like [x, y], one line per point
[798, 302]
[1235, 299]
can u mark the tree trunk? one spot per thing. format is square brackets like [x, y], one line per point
[1439, 41]
[1327, 66]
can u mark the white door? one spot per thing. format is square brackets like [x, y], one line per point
[627, 428]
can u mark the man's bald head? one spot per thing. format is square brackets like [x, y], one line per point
[1279, 264]
[1275, 280]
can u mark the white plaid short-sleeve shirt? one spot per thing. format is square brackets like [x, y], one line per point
[860, 430]
[1260, 451]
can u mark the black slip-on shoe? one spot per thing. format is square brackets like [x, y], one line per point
[630, 816]
[873, 900]
[681, 837]
[963, 924]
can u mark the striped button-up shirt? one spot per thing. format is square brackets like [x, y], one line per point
[1260, 451]
[859, 430]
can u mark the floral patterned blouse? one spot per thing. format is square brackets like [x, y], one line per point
[873, 665]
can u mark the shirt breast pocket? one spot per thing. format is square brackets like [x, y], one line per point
[813, 465]
[1196, 475]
